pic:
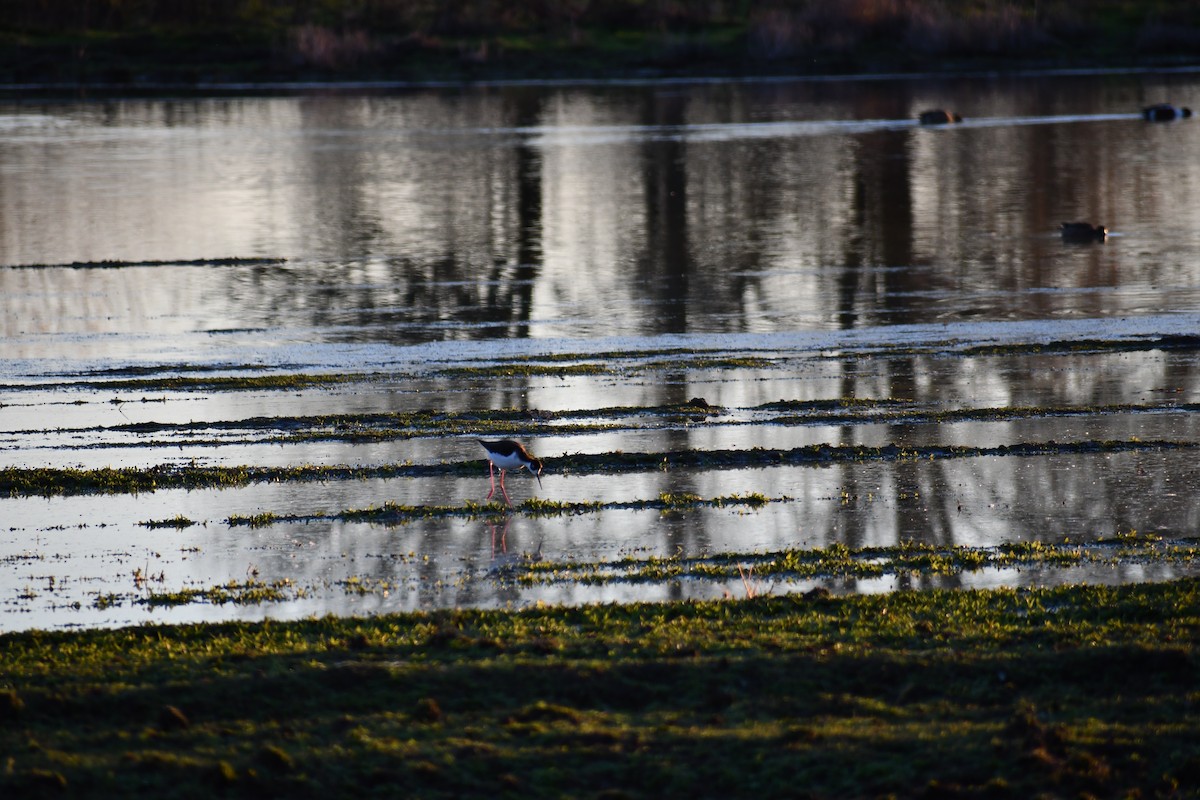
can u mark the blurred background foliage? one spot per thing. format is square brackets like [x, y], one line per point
[213, 39]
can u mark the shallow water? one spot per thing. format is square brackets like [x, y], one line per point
[656, 232]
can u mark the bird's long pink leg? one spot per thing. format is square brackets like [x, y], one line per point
[492, 478]
[505, 491]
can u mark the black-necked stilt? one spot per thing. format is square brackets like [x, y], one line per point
[1083, 232]
[505, 455]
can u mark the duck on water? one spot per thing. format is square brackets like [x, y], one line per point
[1083, 232]
[938, 116]
[1165, 112]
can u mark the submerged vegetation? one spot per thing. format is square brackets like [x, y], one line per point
[908, 565]
[249, 592]
[910, 561]
[398, 513]
[47, 481]
[1077, 691]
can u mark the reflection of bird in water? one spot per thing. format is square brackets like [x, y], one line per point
[1083, 232]
[505, 455]
[503, 535]
[1164, 112]
[938, 116]
[504, 564]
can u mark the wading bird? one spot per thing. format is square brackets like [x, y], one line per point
[505, 455]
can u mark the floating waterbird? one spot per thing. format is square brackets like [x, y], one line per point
[505, 455]
[938, 116]
[1164, 112]
[1083, 232]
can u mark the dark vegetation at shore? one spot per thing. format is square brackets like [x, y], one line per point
[1068, 692]
[50, 481]
[132, 41]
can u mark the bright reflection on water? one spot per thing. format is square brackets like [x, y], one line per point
[402, 230]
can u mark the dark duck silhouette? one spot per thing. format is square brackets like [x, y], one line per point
[1164, 112]
[1080, 232]
[938, 116]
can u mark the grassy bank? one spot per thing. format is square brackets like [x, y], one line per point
[1074, 692]
[227, 40]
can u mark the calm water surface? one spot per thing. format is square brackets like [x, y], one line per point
[811, 223]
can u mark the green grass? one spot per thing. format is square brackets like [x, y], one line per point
[1069, 692]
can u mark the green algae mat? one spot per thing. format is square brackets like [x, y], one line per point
[1066, 692]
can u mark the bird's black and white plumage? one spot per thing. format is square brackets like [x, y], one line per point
[504, 455]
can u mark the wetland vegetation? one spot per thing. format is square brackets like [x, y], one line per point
[1078, 690]
[753, 574]
[18, 481]
[1066, 692]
